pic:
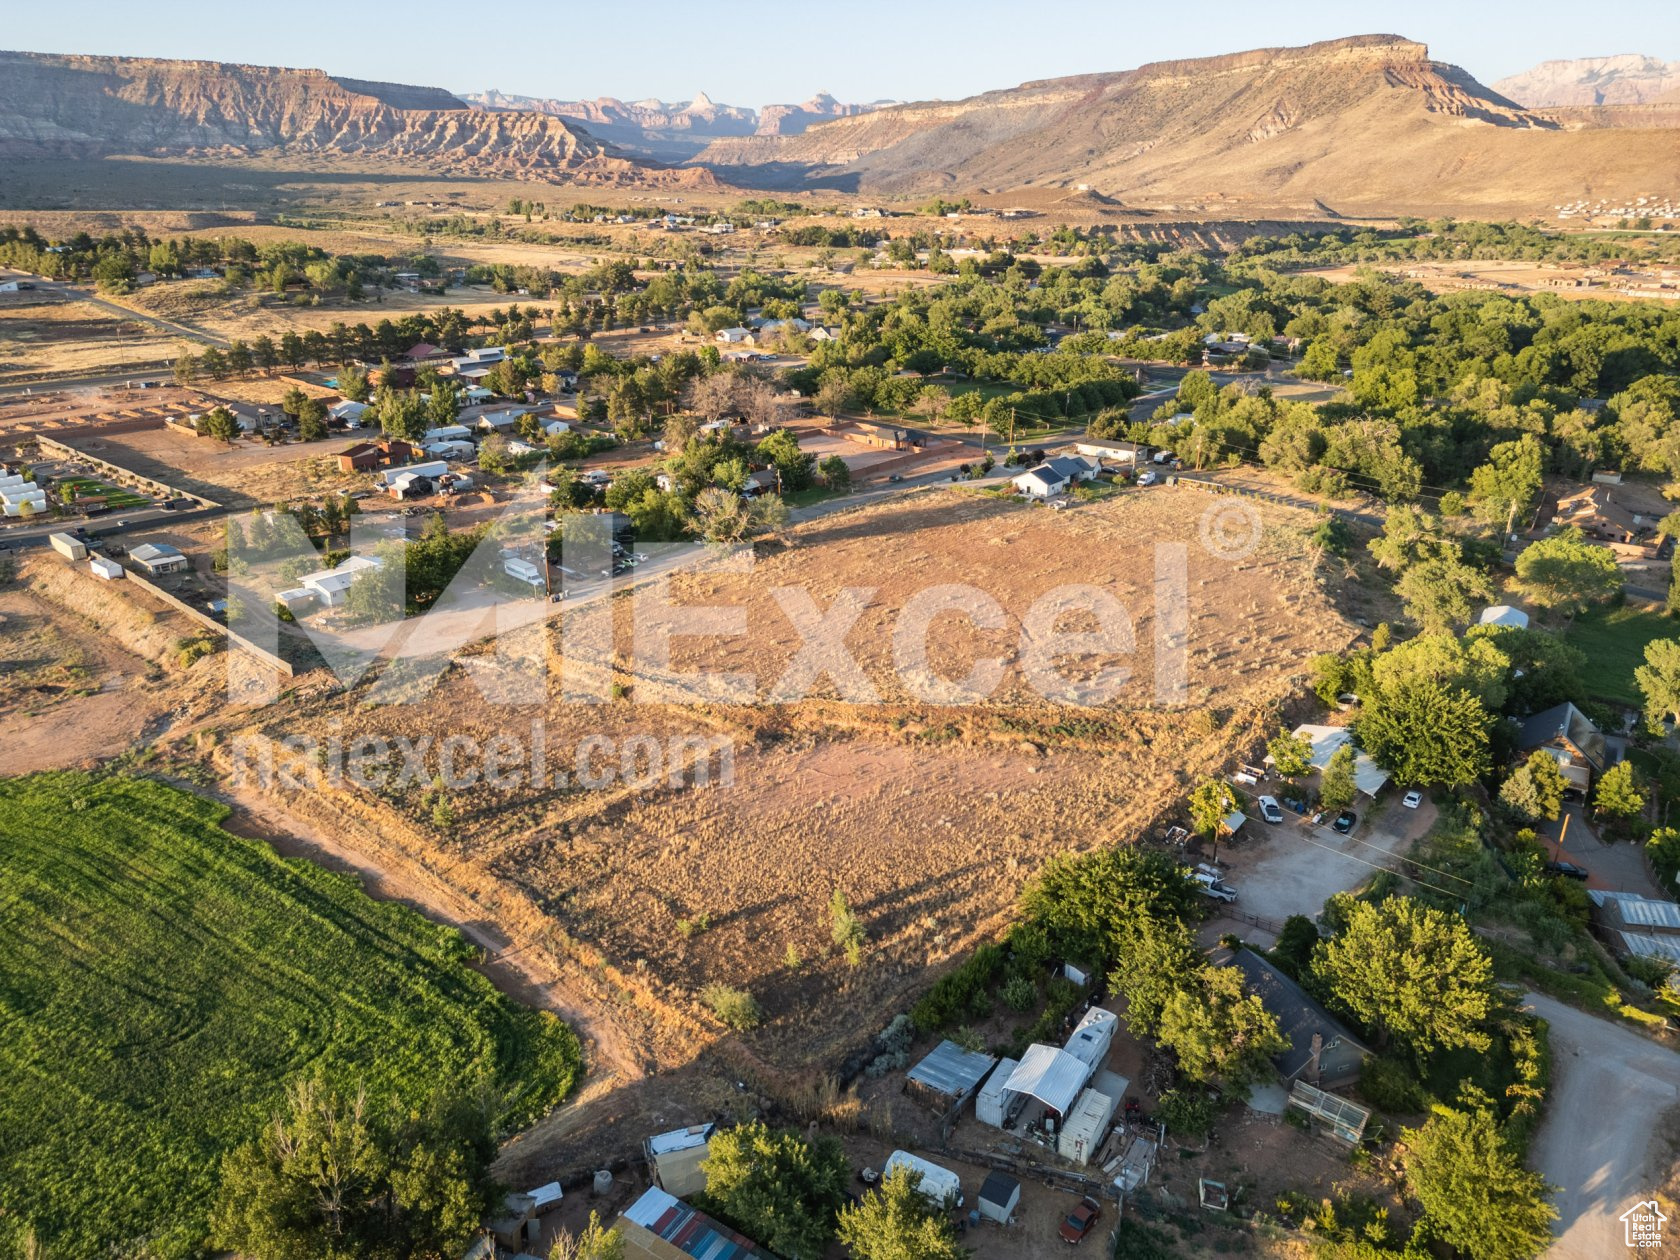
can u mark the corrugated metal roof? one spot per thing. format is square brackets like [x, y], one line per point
[1051, 1075]
[951, 1070]
[1645, 945]
[690, 1231]
[1368, 776]
[680, 1139]
[1644, 912]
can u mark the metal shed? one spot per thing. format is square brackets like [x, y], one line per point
[1085, 1127]
[948, 1075]
[991, 1106]
[1051, 1075]
[674, 1158]
[999, 1197]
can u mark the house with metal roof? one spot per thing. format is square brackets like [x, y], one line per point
[158, 558]
[1368, 777]
[1321, 1051]
[1643, 927]
[1570, 736]
[660, 1226]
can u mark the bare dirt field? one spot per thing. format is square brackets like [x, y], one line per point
[39, 337]
[251, 471]
[1574, 283]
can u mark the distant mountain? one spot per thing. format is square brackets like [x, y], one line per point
[94, 107]
[1368, 124]
[1628, 79]
[675, 131]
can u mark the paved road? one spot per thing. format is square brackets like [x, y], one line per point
[1610, 1088]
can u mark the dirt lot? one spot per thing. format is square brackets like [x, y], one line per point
[1524, 277]
[40, 338]
[252, 471]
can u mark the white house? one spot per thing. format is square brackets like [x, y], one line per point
[329, 585]
[733, 336]
[1054, 476]
[389, 476]
[1113, 452]
[1368, 776]
[472, 360]
[349, 412]
[554, 428]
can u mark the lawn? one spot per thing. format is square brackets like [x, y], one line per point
[165, 981]
[1614, 640]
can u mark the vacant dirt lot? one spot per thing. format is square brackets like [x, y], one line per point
[40, 338]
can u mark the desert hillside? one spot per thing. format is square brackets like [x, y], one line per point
[87, 107]
[1368, 124]
[1627, 79]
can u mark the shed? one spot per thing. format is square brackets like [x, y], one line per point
[940, 1186]
[1091, 1039]
[658, 1226]
[1000, 1195]
[433, 468]
[991, 1104]
[296, 599]
[1051, 1075]
[1085, 1127]
[158, 558]
[948, 1075]
[546, 1198]
[101, 567]
[674, 1158]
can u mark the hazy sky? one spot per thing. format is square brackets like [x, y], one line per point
[753, 53]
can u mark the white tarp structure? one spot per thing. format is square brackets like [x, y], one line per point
[991, 1105]
[1051, 1075]
[1504, 615]
[940, 1186]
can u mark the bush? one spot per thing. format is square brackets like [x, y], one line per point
[956, 994]
[1187, 1112]
[737, 1008]
[1389, 1085]
[1019, 993]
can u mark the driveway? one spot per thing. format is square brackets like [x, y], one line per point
[1610, 1089]
[1293, 867]
[1617, 867]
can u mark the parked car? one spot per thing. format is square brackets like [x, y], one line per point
[1344, 821]
[1078, 1222]
[1412, 800]
[1146, 478]
[1269, 809]
[1567, 869]
[1213, 886]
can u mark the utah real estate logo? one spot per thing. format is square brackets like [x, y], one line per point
[1643, 1224]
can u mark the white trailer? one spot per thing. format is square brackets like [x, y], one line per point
[991, 1104]
[68, 546]
[1085, 1127]
[940, 1186]
[524, 571]
[102, 567]
[1092, 1038]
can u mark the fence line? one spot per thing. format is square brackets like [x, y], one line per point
[211, 624]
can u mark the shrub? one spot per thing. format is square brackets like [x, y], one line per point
[1389, 1085]
[954, 996]
[1019, 993]
[1188, 1112]
[737, 1008]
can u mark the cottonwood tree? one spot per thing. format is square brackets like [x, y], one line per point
[1425, 733]
[895, 1222]
[1094, 905]
[1412, 972]
[1218, 1032]
[1336, 785]
[1442, 592]
[1566, 573]
[1658, 680]
[712, 397]
[1617, 795]
[1475, 1193]
[1509, 483]
[1534, 790]
[1291, 754]
[777, 1187]
[1210, 805]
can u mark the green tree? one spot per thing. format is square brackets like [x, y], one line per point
[1291, 754]
[312, 420]
[776, 1187]
[220, 424]
[1475, 1193]
[1410, 971]
[1618, 795]
[1566, 573]
[1210, 805]
[401, 414]
[834, 472]
[1336, 786]
[1442, 592]
[895, 1222]
[1508, 485]
[596, 1242]
[1534, 790]
[353, 382]
[1219, 1032]
[1094, 904]
[845, 928]
[187, 367]
[1425, 733]
[1658, 680]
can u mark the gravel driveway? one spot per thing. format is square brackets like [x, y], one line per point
[1610, 1087]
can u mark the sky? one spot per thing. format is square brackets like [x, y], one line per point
[746, 53]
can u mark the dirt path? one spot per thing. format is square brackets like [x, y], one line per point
[1610, 1088]
[518, 968]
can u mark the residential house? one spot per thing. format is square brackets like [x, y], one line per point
[1642, 927]
[328, 586]
[1054, 476]
[159, 558]
[1320, 1050]
[1368, 777]
[347, 413]
[501, 421]
[1109, 452]
[1603, 514]
[888, 437]
[362, 457]
[1570, 736]
[660, 1226]
[819, 333]
[488, 356]
[733, 336]
[420, 351]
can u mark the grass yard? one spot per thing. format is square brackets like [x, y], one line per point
[1614, 640]
[165, 981]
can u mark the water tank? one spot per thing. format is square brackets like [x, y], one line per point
[603, 1181]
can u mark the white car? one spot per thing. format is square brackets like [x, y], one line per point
[1412, 800]
[1269, 809]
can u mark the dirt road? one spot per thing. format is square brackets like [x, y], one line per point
[1610, 1088]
